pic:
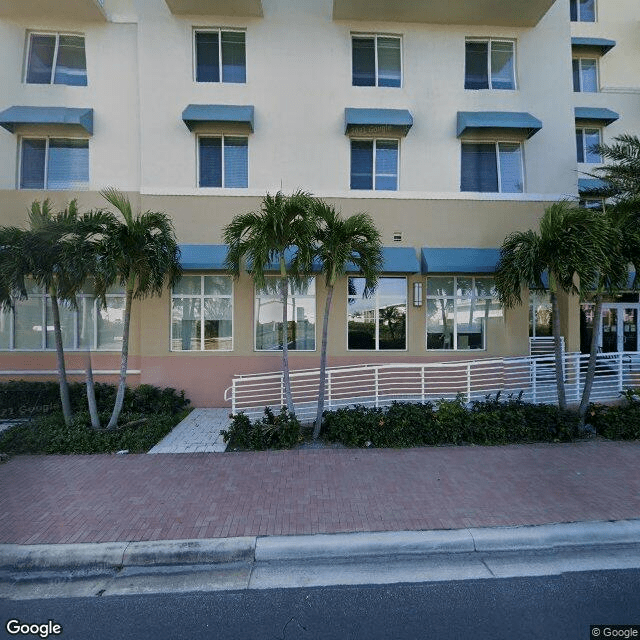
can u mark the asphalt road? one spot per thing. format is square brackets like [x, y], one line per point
[558, 607]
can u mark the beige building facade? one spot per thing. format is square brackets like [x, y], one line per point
[452, 126]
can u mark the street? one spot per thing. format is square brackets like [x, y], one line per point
[551, 607]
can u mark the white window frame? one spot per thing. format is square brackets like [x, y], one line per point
[374, 151]
[375, 36]
[376, 298]
[222, 136]
[202, 296]
[44, 299]
[497, 148]
[597, 64]
[313, 297]
[54, 63]
[47, 138]
[219, 31]
[595, 12]
[489, 41]
[585, 146]
[454, 298]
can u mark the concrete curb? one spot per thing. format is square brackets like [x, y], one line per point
[112, 556]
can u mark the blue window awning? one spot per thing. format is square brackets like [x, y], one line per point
[601, 45]
[396, 260]
[377, 121]
[471, 122]
[195, 114]
[13, 116]
[459, 260]
[592, 186]
[195, 257]
[595, 114]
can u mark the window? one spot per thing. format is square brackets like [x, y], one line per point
[489, 64]
[202, 314]
[223, 161]
[301, 316]
[492, 167]
[29, 325]
[374, 164]
[585, 75]
[54, 163]
[220, 56]
[56, 58]
[378, 322]
[458, 308]
[586, 140]
[376, 61]
[582, 10]
[540, 315]
[595, 204]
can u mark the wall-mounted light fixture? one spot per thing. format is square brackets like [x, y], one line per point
[417, 294]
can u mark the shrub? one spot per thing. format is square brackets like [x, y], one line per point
[620, 422]
[281, 431]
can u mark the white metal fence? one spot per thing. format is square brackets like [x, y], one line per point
[532, 378]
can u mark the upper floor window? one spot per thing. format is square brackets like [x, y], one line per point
[376, 61]
[586, 142]
[489, 64]
[379, 321]
[202, 314]
[220, 56]
[492, 167]
[54, 163]
[582, 10]
[223, 161]
[374, 164]
[56, 58]
[585, 75]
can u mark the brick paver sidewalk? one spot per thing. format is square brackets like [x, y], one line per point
[64, 499]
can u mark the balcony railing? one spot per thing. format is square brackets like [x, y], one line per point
[530, 378]
[507, 13]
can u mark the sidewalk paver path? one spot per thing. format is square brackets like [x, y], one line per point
[199, 432]
[100, 498]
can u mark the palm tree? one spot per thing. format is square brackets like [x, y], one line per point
[283, 224]
[571, 247]
[343, 243]
[141, 253]
[622, 172]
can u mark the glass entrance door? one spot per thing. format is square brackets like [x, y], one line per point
[630, 330]
[619, 328]
[609, 337]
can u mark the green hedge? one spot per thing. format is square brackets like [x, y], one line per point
[281, 431]
[449, 422]
[620, 422]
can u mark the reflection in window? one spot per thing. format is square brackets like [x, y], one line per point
[378, 322]
[301, 316]
[458, 308]
[202, 314]
[540, 315]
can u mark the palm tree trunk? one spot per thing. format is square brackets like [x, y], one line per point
[593, 355]
[323, 362]
[117, 408]
[91, 393]
[62, 372]
[284, 291]
[562, 396]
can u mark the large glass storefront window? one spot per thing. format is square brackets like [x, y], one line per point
[378, 322]
[301, 316]
[458, 308]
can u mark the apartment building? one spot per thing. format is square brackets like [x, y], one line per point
[452, 124]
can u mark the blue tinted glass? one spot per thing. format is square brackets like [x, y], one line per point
[476, 65]
[362, 164]
[233, 57]
[71, 64]
[510, 168]
[210, 162]
[576, 74]
[580, 145]
[235, 162]
[364, 62]
[40, 62]
[32, 164]
[207, 57]
[389, 62]
[479, 169]
[587, 10]
[68, 165]
[387, 165]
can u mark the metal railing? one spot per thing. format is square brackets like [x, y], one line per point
[532, 378]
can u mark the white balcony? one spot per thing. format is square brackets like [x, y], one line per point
[77, 10]
[506, 13]
[239, 8]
